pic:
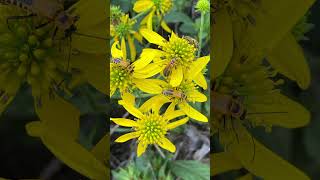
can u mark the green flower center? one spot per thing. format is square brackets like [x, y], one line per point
[152, 128]
[29, 55]
[120, 77]
[181, 51]
[123, 28]
[163, 6]
[203, 6]
[116, 14]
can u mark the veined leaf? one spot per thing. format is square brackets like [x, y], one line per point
[190, 170]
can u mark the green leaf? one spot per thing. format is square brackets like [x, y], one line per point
[176, 17]
[188, 28]
[190, 170]
[162, 171]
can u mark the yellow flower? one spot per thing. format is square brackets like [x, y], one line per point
[149, 126]
[238, 73]
[123, 30]
[177, 57]
[234, 17]
[157, 8]
[31, 55]
[125, 77]
[180, 96]
[246, 96]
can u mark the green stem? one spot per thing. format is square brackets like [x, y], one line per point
[200, 33]
[139, 15]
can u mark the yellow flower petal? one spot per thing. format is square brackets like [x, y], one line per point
[170, 109]
[146, 57]
[145, 20]
[165, 26]
[167, 144]
[94, 67]
[197, 96]
[150, 19]
[68, 150]
[149, 70]
[138, 37]
[222, 40]
[128, 97]
[223, 162]
[173, 36]
[115, 52]
[282, 111]
[132, 47]
[288, 59]
[142, 5]
[60, 116]
[123, 49]
[197, 67]
[191, 112]
[131, 109]
[141, 148]
[154, 103]
[91, 26]
[176, 76]
[177, 123]
[173, 115]
[112, 91]
[272, 26]
[201, 81]
[127, 137]
[256, 158]
[125, 122]
[153, 37]
[150, 86]
[101, 149]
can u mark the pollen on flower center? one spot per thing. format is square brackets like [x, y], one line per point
[152, 128]
[26, 55]
[180, 50]
[119, 77]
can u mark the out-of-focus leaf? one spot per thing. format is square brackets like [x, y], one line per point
[176, 17]
[190, 170]
[188, 28]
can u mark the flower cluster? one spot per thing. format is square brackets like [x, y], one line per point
[170, 73]
[37, 52]
[252, 46]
